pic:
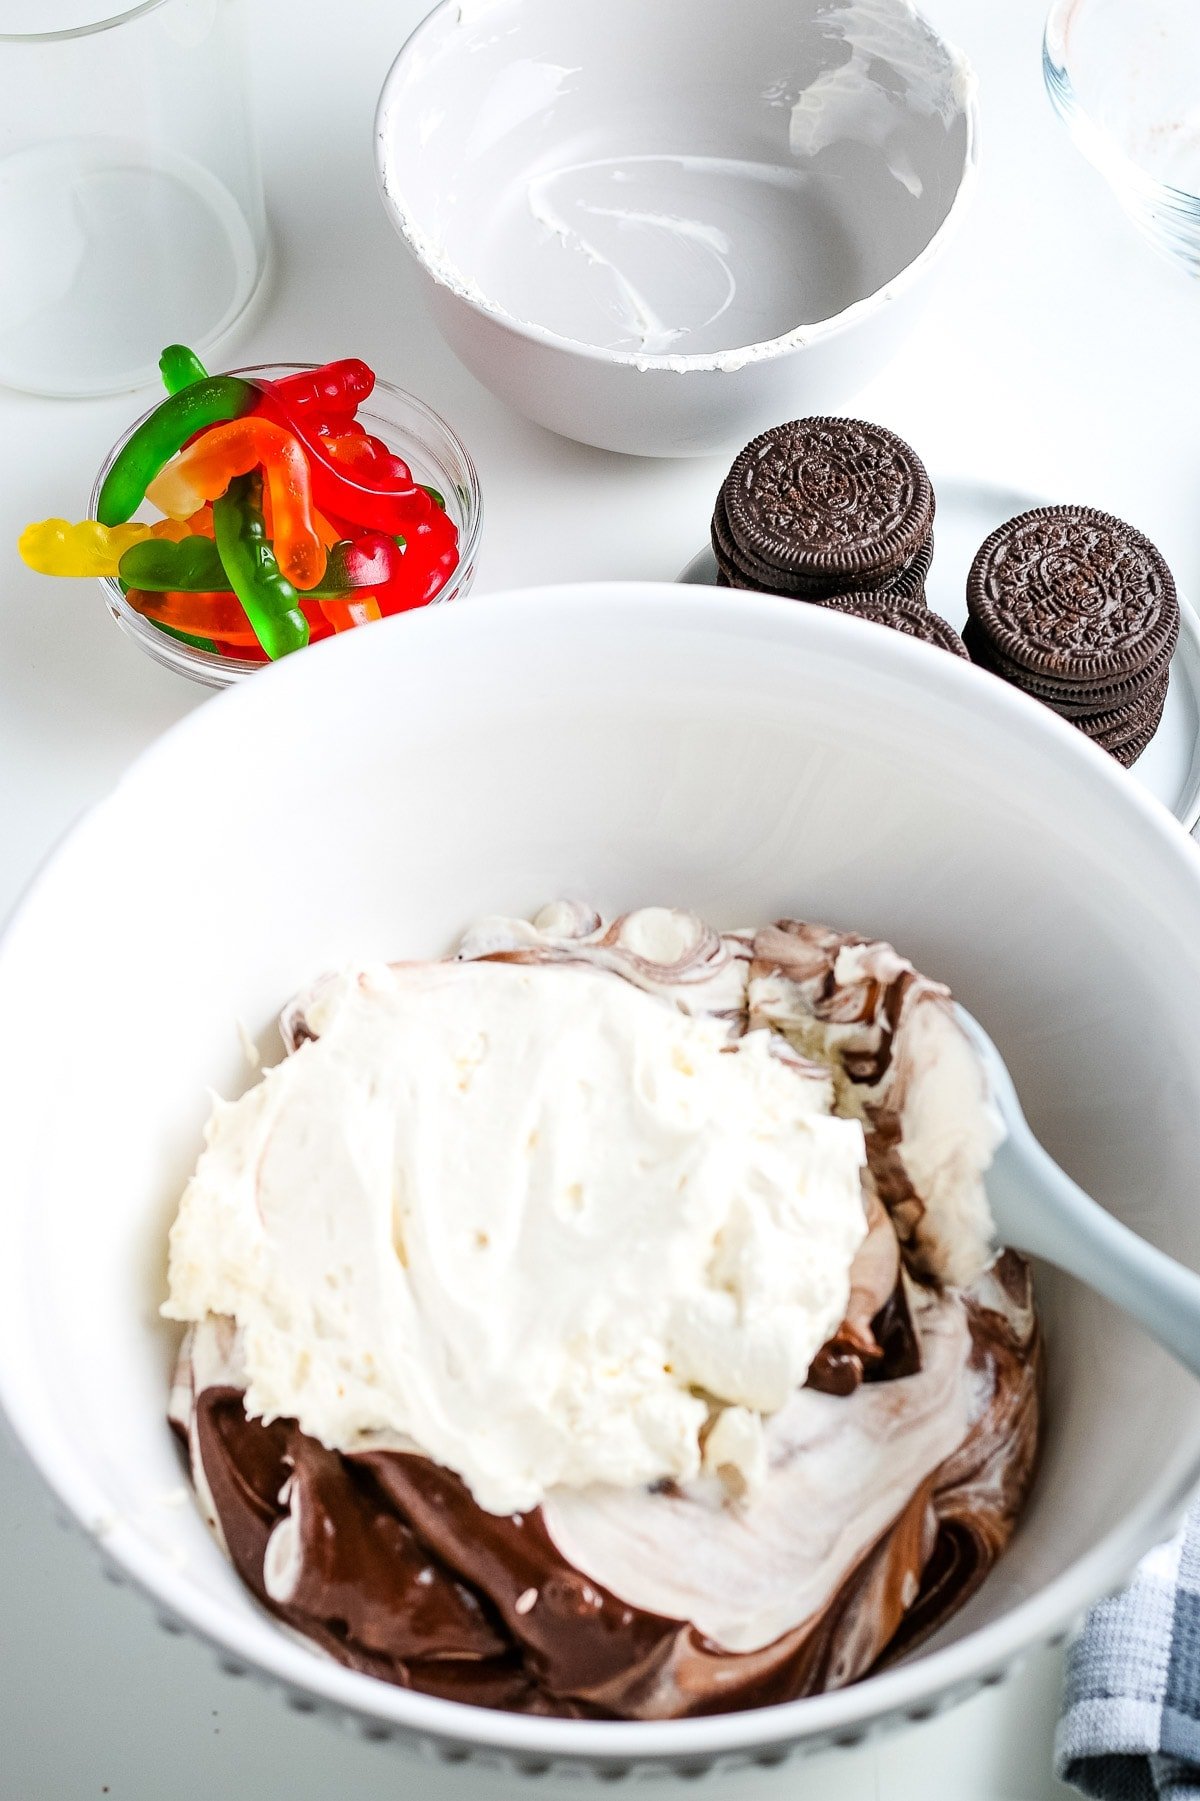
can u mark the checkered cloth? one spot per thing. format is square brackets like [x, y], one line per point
[1130, 1729]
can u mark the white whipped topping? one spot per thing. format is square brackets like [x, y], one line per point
[517, 1217]
[949, 1132]
[936, 1087]
[949, 1126]
[666, 950]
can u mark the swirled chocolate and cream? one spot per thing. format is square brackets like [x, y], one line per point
[606, 1320]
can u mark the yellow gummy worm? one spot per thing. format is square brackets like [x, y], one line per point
[56, 547]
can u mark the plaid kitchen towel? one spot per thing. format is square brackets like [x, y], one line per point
[1130, 1728]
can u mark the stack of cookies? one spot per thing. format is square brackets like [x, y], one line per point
[835, 512]
[1078, 609]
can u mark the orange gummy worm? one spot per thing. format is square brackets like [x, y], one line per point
[199, 615]
[205, 469]
[343, 615]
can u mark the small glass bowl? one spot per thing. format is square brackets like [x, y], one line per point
[413, 431]
[1121, 75]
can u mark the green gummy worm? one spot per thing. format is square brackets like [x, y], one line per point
[180, 368]
[267, 596]
[160, 437]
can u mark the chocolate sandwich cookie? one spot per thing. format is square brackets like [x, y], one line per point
[1113, 729]
[829, 501]
[1079, 610]
[1072, 699]
[1128, 754]
[746, 571]
[1073, 596]
[912, 578]
[722, 544]
[755, 571]
[901, 614]
[1124, 731]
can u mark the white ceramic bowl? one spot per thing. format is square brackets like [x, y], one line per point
[632, 744]
[662, 227]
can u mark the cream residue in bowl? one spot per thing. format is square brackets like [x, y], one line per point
[645, 212]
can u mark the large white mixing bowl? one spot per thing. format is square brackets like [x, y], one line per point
[748, 757]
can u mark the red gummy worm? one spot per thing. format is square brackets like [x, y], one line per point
[386, 500]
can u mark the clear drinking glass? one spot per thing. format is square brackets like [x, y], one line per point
[131, 209]
[1124, 76]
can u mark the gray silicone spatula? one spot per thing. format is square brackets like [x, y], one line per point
[1037, 1208]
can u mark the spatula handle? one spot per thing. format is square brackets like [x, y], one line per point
[1050, 1216]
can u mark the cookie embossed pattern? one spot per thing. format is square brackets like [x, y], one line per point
[1073, 593]
[1079, 610]
[830, 498]
[823, 507]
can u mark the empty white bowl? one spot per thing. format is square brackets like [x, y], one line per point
[661, 227]
[741, 755]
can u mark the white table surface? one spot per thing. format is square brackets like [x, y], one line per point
[1058, 356]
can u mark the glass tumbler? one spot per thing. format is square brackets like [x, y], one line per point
[131, 209]
[1124, 76]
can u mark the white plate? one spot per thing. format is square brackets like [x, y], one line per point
[967, 512]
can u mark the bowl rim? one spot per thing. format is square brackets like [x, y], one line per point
[108, 21]
[222, 672]
[735, 357]
[911, 1689]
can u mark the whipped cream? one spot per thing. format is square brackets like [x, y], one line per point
[542, 1226]
[897, 1055]
[883, 1033]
